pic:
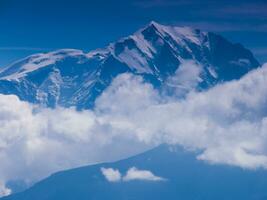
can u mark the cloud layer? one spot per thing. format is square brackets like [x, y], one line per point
[227, 122]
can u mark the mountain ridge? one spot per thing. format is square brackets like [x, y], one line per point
[185, 178]
[70, 77]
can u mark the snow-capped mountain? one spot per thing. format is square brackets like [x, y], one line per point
[70, 77]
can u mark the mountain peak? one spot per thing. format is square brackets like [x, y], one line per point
[160, 28]
[177, 33]
[165, 27]
[155, 52]
[155, 24]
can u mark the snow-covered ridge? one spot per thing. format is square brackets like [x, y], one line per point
[134, 58]
[137, 57]
[180, 33]
[131, 57]
[34, 62]
[71, 77]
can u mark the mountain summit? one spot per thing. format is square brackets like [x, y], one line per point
[69, 77]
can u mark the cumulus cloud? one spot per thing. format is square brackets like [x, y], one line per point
[127, 93]
[186, 78]
[227, 122]
[143, 175]
[112, 175]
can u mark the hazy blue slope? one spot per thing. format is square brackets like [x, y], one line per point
[187, 179]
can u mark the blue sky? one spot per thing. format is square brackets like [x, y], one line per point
[31, 26]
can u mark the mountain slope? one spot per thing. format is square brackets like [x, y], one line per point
[70, 77]
[185, 178]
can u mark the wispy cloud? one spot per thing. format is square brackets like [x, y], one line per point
[24, 49]
[215, 15]
[240, 14]
[161, 3]
[223, 26]
[246, 9]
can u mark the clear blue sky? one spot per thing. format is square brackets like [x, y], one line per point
[31, 26]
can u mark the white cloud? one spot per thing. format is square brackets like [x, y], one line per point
[143, 175]
[4, 191]
[227, 122]
[186, 78]
[112, 175]
[127, 93]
